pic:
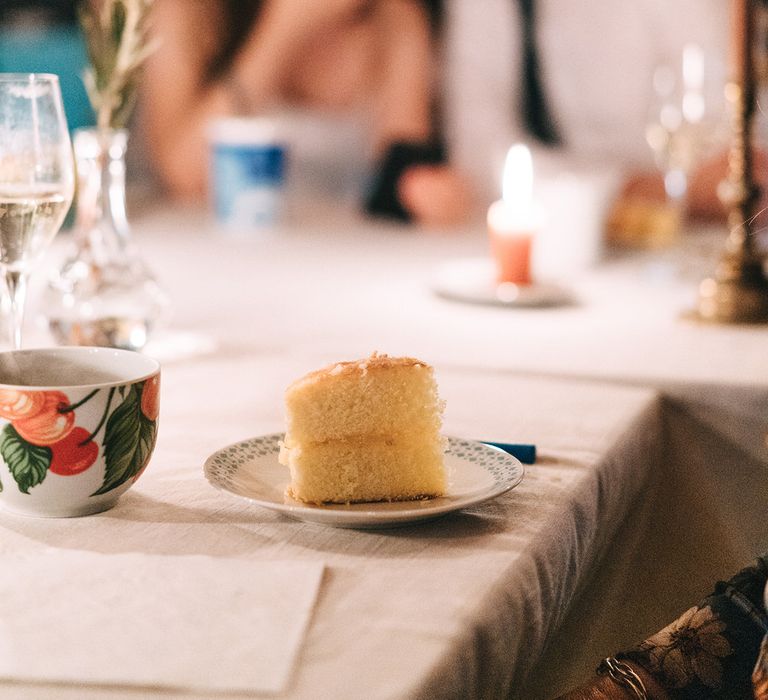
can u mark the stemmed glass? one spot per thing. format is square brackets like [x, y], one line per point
[37, 178]
[685, 117]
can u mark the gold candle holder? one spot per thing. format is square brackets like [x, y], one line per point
[738, 291]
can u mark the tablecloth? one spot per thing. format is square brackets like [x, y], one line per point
[458, 607]
[643, 493]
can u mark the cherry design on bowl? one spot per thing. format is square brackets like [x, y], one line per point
[73, 454]
[42, 434]
[50, 423]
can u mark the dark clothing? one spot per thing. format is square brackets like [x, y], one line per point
[536, 113]
[711, 650]
[39, 11]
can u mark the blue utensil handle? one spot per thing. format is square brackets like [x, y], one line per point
[525, 453]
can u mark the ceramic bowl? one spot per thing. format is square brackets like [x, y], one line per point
[77, 427]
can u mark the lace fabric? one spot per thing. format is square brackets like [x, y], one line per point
[712, 649]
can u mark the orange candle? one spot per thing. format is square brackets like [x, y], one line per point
[512, 220]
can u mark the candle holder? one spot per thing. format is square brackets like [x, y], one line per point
[738, 291]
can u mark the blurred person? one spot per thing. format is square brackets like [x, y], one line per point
[374, 60]
[716, 650]
[574, 78]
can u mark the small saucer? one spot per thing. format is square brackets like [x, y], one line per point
[472, 280]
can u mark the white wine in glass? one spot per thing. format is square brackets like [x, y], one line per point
[36, 179]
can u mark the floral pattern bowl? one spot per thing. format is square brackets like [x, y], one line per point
[77, 427]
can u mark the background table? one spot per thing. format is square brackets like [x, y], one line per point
[650, 483]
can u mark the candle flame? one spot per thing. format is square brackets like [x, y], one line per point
[517, 184]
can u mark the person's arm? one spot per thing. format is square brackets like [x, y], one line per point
[179, 96]
[708, 652]
[605, 688]
[431, 194]
[406, 79]
[177, 102]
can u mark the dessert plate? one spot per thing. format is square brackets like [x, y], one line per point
[471, 280]
[250, 471]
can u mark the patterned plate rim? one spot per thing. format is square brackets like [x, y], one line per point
[507, 472]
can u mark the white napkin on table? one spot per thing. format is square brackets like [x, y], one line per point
[191, 622]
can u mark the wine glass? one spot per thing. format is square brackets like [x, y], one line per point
[37, 178]
[686, 117]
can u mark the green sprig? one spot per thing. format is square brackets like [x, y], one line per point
[118, 43]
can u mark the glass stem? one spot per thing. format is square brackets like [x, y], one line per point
[17, 292]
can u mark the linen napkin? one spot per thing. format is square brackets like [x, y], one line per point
[191, 622]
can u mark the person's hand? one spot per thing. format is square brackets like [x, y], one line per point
[702, 199]
[435, 195]
[646, 186]
[604, 688]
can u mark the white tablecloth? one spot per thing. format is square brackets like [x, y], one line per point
[344, 286]
[637, 503]
[451, 608]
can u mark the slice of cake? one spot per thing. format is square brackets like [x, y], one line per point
[367, 430]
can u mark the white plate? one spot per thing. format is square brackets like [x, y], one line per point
[472, 280]
[250, 470]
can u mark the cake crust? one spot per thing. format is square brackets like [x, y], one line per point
[372, 363]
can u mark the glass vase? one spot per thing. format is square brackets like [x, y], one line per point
[104, 294]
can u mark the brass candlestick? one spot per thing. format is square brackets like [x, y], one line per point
[738, 292]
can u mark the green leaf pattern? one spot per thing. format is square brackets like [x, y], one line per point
[128, 441]
[129, 437]
[27, 463]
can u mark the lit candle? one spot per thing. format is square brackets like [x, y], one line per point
[512, 220]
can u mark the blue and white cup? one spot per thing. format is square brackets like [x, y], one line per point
[248, 163]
